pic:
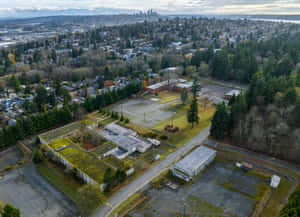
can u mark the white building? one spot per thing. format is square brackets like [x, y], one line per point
[275, 181]
[232, 93]
[126, 139]
[194, 163]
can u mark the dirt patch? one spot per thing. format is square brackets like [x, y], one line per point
[88, 146]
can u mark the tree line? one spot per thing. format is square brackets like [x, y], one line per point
[270, 102]
[112, 96]
[32, 124]
[292, 208]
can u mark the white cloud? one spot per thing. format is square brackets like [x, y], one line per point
[168, 6]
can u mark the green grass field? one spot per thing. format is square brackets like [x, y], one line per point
[166, 96]
[274, 205]
[56, 175]
[186, 132]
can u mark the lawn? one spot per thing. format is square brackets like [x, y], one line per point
[128, 204]
[180, 120]
[56, 175]
[274, 205]
[139, 129]
[166, 96]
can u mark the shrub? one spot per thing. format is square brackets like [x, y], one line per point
[127, 120]
[37, 156]
[163, 137]
[10, 211]
[9, 167]
[90, 197]
[151, 135]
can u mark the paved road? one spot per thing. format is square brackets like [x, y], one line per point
[146, 178]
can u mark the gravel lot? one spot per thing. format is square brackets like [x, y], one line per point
[136, 108]
[214, 90]
[26, 189]
[9, 157]
[206, 197]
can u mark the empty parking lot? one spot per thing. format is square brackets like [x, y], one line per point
[26, 189]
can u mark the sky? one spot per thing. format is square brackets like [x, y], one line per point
[165, 6]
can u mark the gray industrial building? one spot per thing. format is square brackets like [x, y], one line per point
[193, 163]
[126, 139]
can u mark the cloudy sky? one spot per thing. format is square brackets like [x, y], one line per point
[166, 6]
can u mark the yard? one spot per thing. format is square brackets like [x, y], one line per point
[179, 119]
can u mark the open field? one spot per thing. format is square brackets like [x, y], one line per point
[186, 132]
[26, 189]
[55, 174]
[274, 205]
[221, 190]
[145, 113]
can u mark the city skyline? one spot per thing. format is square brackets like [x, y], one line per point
[162, 6]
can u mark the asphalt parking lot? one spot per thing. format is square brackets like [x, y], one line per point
[207, 196]
[10, 157]
[144, 112]
[26, 189]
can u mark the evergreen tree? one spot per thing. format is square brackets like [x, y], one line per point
[15, 83]
[192, 115]
[220, 122]
[10, 211]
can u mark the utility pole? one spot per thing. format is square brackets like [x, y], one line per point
[183, 209]
[144, 116]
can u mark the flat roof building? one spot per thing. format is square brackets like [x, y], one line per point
[126, 139]
[194, 163]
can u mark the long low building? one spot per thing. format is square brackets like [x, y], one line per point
[191, 165]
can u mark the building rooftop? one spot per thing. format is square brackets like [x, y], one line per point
[196, 158]
[125, 138]
[233, 92]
